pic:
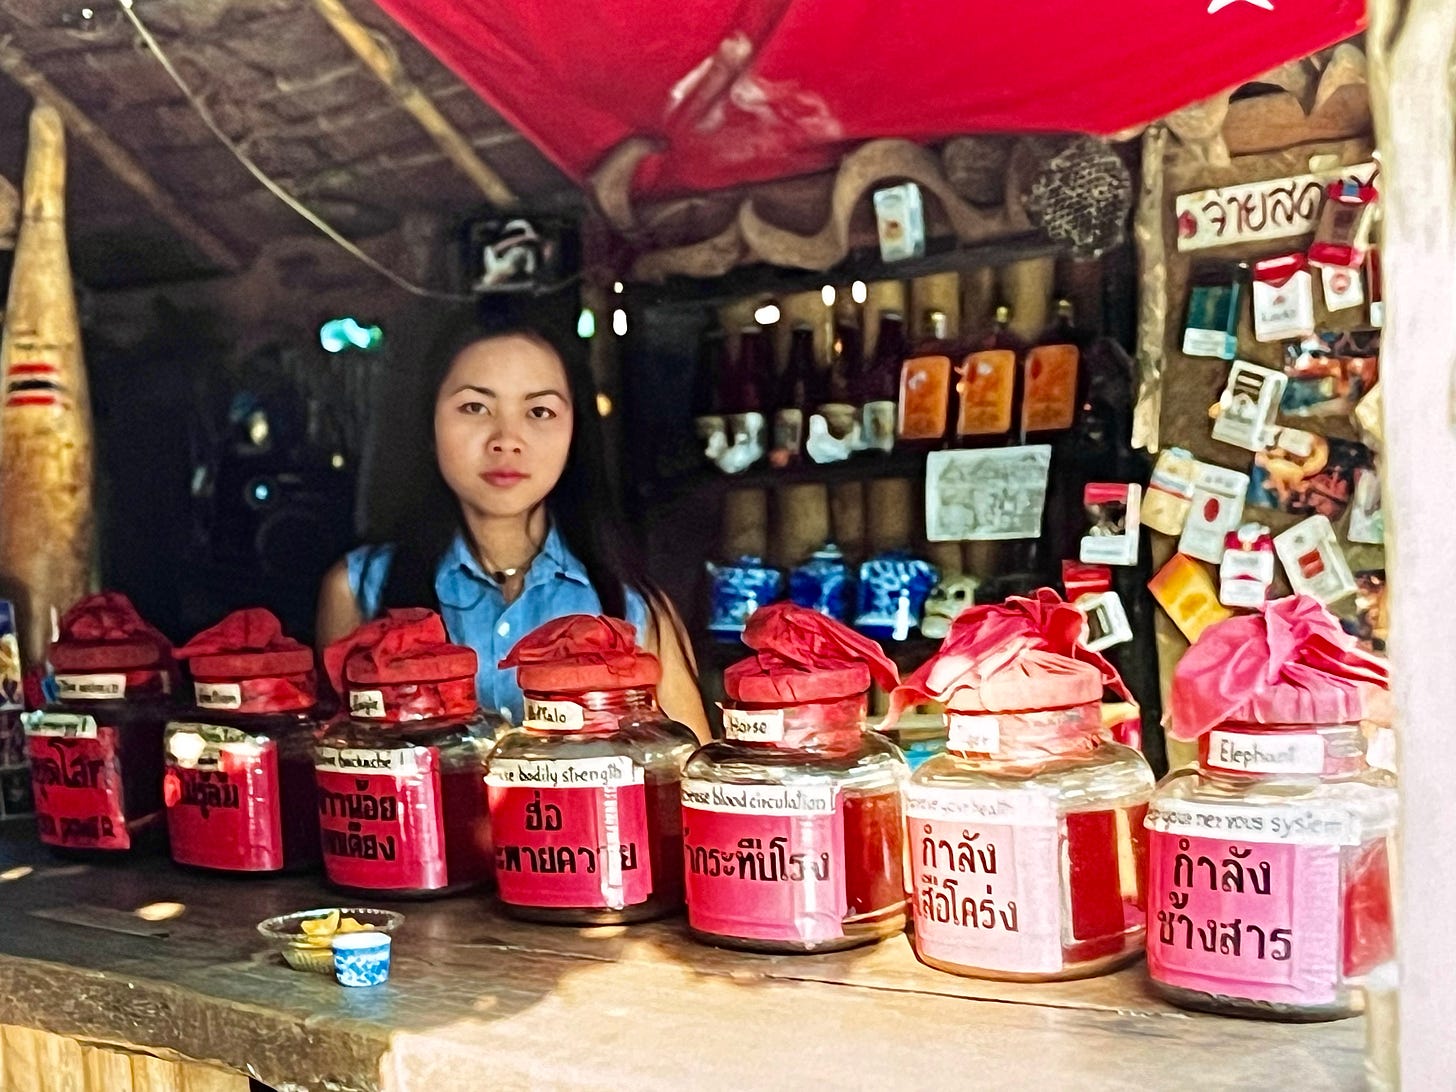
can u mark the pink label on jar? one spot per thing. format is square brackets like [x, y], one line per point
[75, 775]
[224, 810]
[1255, 920]
[380, 818]
[985, 878]
[765, 862]
[570, 833]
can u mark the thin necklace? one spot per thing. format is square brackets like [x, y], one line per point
[500, 576]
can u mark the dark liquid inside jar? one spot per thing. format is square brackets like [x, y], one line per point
[402, 807]
[622, 731]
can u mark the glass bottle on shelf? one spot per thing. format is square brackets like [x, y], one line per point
[880, 384]
[1050, 377]
[1269, 879]
[1025, 838]
[988, 388]
[705, 397]
[95, 752]
[792, 824]
[584, 797]
[800, 392]
[239, 783]
[401, 797]
[925, 386]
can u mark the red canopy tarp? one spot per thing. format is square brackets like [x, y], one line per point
[749, 90]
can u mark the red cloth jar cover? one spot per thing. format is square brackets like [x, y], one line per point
[239, 785]
[403, 667]
[402, 806]
[792, 824]
[95, 756]
[584, 801]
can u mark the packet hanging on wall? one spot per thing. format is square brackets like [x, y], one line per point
[1247, 568]
[1105, 621]
[1184, 589]
[1314, 562]
[1283, 295]
[1249, 405]
[1329, 372]
[1170, 489]
[1215, 510]
[1343, 287]
[1343, 233]
[1212, 328]
[900, 217]
[1367, 521]
[1112, 509]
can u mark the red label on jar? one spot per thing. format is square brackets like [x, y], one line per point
[570, 833]
[380, 818]
[764, 862]
[986, 878]
[224, 806]
[1254, 913]
[76, 779]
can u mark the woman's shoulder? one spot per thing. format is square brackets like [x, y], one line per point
[366, 569]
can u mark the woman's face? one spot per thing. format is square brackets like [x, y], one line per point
[503, 423]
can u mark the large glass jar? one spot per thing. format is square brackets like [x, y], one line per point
[792, 830]
[1026, 846]
[401, 797]
[584, 796]
[96, 752]
[1269, 875]
[239, 783]
[584, 805]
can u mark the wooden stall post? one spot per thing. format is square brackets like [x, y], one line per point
[46, 547]
[1413, 49]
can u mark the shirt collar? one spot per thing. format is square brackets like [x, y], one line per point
[461, 581]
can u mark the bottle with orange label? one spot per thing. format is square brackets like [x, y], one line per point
[925, 386]
[1050, 377]
[988, 388]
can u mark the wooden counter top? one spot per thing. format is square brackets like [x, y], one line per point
[476, 1001]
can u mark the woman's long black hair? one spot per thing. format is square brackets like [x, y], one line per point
[583, 506]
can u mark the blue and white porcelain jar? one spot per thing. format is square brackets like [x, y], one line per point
[893, 588]
[739, 590]
[824, 584]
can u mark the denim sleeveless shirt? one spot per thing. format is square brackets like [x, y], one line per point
[476, 613]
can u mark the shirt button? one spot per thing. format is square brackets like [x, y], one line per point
[504, 629]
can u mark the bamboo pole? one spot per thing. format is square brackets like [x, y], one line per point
[1413, 55]
[9, 213]
[118, 160]
[383, 62]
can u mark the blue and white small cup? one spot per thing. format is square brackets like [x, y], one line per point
[361, 959]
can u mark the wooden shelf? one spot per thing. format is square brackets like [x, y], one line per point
[710, 482]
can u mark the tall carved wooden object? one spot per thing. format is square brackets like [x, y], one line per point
[45, 420]
[1413, 54]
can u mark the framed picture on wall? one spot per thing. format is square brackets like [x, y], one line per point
[987, 494]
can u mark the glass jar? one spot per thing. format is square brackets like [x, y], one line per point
[1269, 873]
[239, 783]
[792, 830]
[584, 804]
[1027, 848]
[96, 758]
[401, 800]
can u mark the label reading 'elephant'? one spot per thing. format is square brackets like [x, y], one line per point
[380, 818]
[223, 800]
[1246, 918]
[986, 878]
[570, 833]
[765, 862]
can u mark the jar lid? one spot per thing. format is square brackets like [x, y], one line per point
[104, 632]
[404, 646]
[1291, 663]
[1018, 656]
[247, 644]
[803, 656]
[582, 652]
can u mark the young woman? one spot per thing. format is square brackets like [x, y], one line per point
[518, 527]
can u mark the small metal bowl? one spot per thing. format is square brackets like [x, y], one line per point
[287, 936]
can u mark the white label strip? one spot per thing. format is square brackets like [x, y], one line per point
[1287, 824]
[576, 773]
[1018, 807]
[367, 762]
[754, 725]
[978, 735]
[61, 725]
[1296, 753]
[90, 687]
[554, 716]
[759, 799]
[366, 704]
[218, 695]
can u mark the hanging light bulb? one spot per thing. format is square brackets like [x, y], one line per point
[859, 291]
[619, 322]
[827, 295]
[586, 324]
[767, 315]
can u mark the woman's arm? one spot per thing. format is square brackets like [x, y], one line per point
[338, 611]
[678, 692]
